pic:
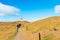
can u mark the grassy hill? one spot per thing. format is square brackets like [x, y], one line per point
[45, 26]
[8, 29]
[48, 23]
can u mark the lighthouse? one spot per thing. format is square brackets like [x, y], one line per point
[21, 19]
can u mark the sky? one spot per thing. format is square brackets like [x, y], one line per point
[29, 10]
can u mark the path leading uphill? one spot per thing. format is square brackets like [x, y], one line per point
[20, 35]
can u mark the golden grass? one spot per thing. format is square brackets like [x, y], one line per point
[7, 30]
[45, 26]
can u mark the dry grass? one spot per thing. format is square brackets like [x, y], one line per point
[7, 30]
[45, 26]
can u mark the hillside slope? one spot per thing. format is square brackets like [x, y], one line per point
[30, 30]
[8, 29]
[47, 23]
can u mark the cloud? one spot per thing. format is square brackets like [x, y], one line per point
[57, 9]
[8, 10]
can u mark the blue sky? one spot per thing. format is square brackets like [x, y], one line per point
[31, 10]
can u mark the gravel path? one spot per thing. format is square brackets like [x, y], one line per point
[20, 35]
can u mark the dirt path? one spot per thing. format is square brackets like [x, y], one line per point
[20, 35]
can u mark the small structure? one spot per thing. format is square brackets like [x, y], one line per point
[21, 19]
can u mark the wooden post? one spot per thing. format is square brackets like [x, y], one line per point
[39, 36]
